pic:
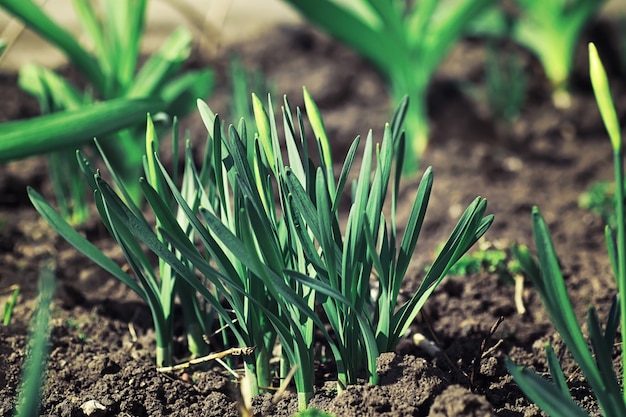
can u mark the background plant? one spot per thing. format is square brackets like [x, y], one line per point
[488, 257]
[550, 29]
[406, 40]
[115, 30]
[68, 129]
[506, 82]
[597, 367]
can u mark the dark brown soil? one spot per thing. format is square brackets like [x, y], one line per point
[102, 342]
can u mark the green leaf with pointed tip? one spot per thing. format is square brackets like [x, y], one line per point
[545, 394]
[317, 124]
[602, 92]
[79, 242]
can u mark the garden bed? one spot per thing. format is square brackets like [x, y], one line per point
[102, 342]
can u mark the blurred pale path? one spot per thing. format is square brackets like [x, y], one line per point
[219, 22]
[233, 20]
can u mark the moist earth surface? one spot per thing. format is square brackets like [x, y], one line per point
[102, 340]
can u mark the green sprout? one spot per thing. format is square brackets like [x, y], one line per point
[597, 367]
[9, 306]
[34, 373]
[254, 231]
[406, 40]
[111, 71]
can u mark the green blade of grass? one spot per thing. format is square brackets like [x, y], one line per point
[9, 306]
[603, 354]
[34, 373]
[558, 379]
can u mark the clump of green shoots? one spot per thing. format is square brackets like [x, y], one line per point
[254, 230]
[115, 30]
[596, 364]
[406, 40]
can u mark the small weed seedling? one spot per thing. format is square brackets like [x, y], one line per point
[597, 364]
[599, 199]
[492, 258]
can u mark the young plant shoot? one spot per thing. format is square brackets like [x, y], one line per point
[406, 40]
[260, 226]
[597, 367]
[34, 373]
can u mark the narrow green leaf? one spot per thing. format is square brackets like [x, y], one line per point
[414, 225]
[604, 355]
[558, 379]
[90, 23]
[612, 322]
[557, 302]
[162, 65]
[602, 92]
[545, 394]
[317, 124]
[353, 30]
[25, 138]
[79, 242]
[263, 129]
[345, 171]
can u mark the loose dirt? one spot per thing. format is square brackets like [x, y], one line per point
[102, 342]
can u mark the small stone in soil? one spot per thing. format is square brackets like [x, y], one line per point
[93, 408]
